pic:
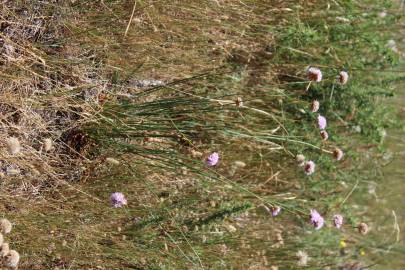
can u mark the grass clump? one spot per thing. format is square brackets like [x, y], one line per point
[99, 104]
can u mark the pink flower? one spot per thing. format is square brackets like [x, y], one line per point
[321, 122]
[315, 106]
[316, 219]
[309, 167]
[275, 210]
[338, 221]
[212, 159]
[314, 74]
[324, 135]
[343, 77]
[118, 200]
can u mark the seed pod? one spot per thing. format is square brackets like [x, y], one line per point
[300, 160]
[324, 135]
[315, 106]
[5, 226]
[363, 228]
[12, 259]
[13, 145]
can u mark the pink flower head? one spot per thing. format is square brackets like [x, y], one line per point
[314, 74]
[275, 210]
[338, 154]
[118, 200]
[316, 219]
[315, 106]
[338, 221]
[343, 77]
[309, 167]
[212, 159]
[324, 135]
[321, 122]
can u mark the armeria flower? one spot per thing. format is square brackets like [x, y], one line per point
[300, 160]
[343, 77]
[118, 200]
[212, 159]
[314, 74]
[316, 219]
[275, 210]
[363, 228]
[302, 257]
[338, 221]
[338, 154]
[321, 122]
[309, 167]
[315, 106]
[324, 135]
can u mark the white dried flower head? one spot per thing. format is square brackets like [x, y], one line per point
[48, 144]
[302, 257]
[13, 145]
[343, 77]
[338, 154]
[239, 164]
[324, 135]
[13, 171]
[5, 225]
[4, 249]
[382, 14]
[363, 228]
[314, 74]
[112, 161]
[300, 160]
[239, 102]
[315, 106]
[12, 259]
[196, 154]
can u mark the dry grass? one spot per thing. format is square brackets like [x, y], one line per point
[78, 73]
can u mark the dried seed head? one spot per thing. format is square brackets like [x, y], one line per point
[315, 106]
[314, 74]
[324, 135]
[343, 77]
[1, 239]
[12, 259]
[48, 144]
[239, 102]
[4, 249]
[302, 257]
[338, 221]
[338, 154]
[239, 164]
[196, 154]
[300, 160]
[112, 161]
[309, 167]
[13, 145]
[5, 225]
[363, 228]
